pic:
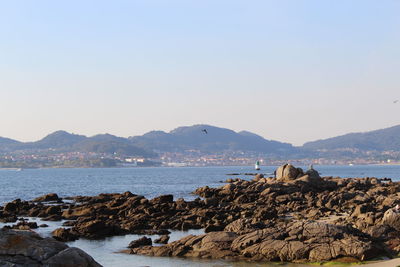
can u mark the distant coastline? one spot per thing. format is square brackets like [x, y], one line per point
[183, 166]
[192, 146]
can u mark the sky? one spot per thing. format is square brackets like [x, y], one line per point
[292, 71]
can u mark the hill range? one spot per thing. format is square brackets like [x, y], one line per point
[208, 139]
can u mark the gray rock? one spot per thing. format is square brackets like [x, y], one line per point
[71, 257]
[24, 248]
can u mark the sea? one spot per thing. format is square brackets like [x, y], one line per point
[28, 184]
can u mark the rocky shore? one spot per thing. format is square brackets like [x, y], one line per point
[296, 216]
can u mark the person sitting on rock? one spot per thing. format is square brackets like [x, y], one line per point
[397, 208]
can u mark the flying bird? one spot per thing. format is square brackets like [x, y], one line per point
[394, 102]
[205, 131]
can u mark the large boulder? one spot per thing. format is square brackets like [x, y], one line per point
[23, 248]
[288, 172]
[71, 257]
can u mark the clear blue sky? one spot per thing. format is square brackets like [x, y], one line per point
[292, 71]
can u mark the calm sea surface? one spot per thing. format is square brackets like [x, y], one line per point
[149, 182]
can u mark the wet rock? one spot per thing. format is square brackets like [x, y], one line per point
[53, 218]
[23, 225]
[53, 210]
[64, 234]
[143, 241]
[8, 218]
[155, 232]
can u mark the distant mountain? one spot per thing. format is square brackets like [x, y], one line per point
[8, 141]
[62, 141]
[108, 138]
[7, 144]
[56, 140]
[209, 139]
[215, 140]
[379, 140]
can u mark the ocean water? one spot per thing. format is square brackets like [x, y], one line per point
[149, 182]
